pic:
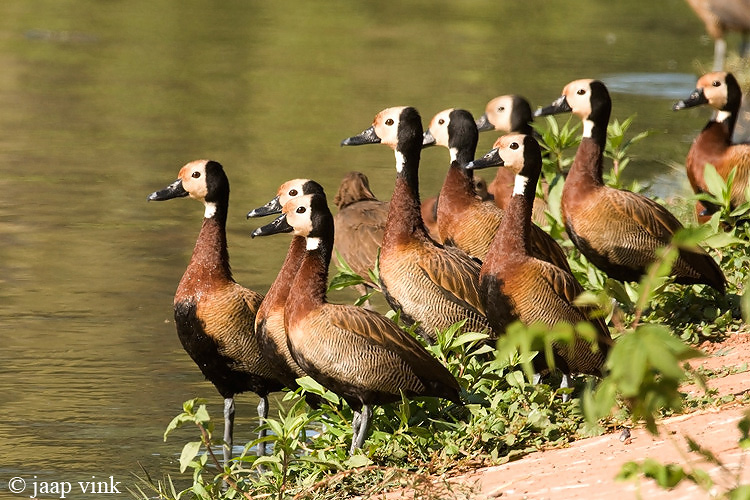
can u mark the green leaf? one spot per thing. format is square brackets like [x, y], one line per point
[714, 182]
[189, 451]
[741, 492]
[357, 461]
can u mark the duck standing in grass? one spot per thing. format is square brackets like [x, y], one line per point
[713, 145]
[433, 286]
[515, 285]
[359, 354]
[617, 230]
[215, 315]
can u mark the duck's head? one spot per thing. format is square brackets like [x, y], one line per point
[454, 129]
[354, 187]
[505, 113]
[287, 191]
[718, 89]
[517, 152]
[203, 180]
[306, 215]
[399, 127]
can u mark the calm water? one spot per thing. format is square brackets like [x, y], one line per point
[101, 102]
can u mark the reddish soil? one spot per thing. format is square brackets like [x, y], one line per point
[587, 468]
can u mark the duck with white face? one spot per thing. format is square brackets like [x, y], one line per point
[617, 230]
[515, 285]
[715, 144]
[359, 354]
[214, 315]
[433, 286]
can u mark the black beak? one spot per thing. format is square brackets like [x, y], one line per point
[270, 208]
[278, 225]
[491, 159]
[174, 190]
[697, 97]
[365, 137]
[483, 123]
[560, 105]
[428, 139]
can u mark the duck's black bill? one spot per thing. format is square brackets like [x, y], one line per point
[174, 190]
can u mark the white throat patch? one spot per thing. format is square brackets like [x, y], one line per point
[454, 154]
[210, 210]
[312, 243]
[400, 161]
[588, 126]
[722, 116]
[520, 186]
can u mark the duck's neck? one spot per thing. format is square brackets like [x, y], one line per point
[589, 160]
[513, 234]
[281, 286]
[311, 281]
[209, 263]
[458, 185]
[404, 220]
[725, 122]
[587, 165]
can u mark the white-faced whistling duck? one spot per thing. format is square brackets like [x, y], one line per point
[431, 285]
[506, 114]
[618, 231]
[720, 16]
[515, 285]
[713, 145]
[464, 221]
[269, 322]
[360, 223]
[359, 354]
[214, 315]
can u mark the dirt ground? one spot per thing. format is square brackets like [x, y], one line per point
[586, 469]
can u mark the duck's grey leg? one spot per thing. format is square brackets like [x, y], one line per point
[564, 384]
[262, 415]
[228, 429]
[360, 427]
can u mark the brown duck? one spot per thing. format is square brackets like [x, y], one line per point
[269, 321]
[431, 285]
[464, 221]
[361, 355]
[714, 145]
[515, 285]
[360, 223]
[214, 315]
[618, 231]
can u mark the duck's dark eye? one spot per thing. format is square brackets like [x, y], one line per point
[389, 122]
[292, 192]
[716, 83]
[501, 109]
[581, 91]
[513, 145]
[196, 175]
[441, 121]
[301, 210]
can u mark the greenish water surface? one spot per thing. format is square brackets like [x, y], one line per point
[102, 101]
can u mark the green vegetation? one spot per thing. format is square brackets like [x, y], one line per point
[414, 442]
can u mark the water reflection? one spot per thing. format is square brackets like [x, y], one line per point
[102, 102]
[665, 85]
